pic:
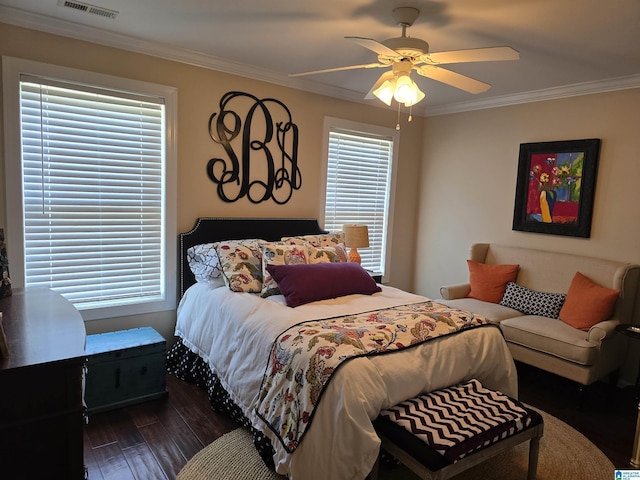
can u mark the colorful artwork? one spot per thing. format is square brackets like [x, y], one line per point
[556, 186]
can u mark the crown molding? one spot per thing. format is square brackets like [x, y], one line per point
[90, 34]
[586, 88]
[86, 33]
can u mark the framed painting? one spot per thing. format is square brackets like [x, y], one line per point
[556, 186]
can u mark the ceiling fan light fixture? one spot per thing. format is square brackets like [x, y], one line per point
[386, 91]
[397, 85]
[401, 88]
[417, 96]
[404, 89]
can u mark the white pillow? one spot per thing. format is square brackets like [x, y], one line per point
[204, 263]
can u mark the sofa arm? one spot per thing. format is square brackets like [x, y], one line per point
[601, 330]
[451, 292]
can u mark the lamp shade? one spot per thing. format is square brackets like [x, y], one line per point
[356, 236]
[385, 91]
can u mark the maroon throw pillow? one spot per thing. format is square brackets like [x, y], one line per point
[305, 283]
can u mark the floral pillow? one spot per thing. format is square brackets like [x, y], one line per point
[279, 253]
[320, 240]
[332, 254]
[241, 264]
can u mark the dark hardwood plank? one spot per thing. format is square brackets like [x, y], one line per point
[179, 430]
[192, 404]
[90, 461]
[113, 464]
[144, 464]
[166, 452]
[147, 412]
[114, 426]
[183, 393]
[203, 426]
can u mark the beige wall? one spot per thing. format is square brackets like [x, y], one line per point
[468, 181]
[460, 167]
[199, 92]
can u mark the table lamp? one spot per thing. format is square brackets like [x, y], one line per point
[356, 236]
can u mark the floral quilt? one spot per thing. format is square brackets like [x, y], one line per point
[304, 357]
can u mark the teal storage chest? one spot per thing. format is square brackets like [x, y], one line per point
[124, 368]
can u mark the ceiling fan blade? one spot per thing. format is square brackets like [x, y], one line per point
[457, 80]
[490, 54]
[338, 69]
[374, 46]
[383, 78]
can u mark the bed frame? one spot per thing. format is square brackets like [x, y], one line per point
[210, 229]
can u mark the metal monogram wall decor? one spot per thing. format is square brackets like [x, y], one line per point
[266, 167]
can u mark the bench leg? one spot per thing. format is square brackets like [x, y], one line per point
[534, 449]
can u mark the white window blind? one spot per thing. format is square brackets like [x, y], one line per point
[358, 186]
[93, 186]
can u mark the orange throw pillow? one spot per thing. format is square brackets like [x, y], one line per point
[587, 303]
[488, 282]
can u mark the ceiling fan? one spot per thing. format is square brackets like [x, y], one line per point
[405, 54]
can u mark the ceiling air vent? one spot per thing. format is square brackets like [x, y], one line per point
[85, 7]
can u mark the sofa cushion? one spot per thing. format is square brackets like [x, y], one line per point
[488, 282]
[551, 336]
[587, 303]
[532, 302]
[493, 312]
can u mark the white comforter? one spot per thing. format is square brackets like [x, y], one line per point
[234, 332]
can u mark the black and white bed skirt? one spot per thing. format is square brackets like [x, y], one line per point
[189, 367]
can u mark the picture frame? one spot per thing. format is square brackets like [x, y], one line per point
[556, 187]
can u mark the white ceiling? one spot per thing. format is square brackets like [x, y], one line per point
[566, 47]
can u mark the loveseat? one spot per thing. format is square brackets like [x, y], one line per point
[582, 355]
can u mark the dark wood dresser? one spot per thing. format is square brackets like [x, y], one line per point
[41, 387]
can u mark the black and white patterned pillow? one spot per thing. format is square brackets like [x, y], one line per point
[532, 302]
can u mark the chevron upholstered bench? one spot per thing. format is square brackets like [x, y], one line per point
[445, 432]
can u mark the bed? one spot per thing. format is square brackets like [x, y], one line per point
[231, 343]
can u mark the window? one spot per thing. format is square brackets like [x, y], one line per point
[359, 184]
[90, 189]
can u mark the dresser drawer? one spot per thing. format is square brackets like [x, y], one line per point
[124, 368]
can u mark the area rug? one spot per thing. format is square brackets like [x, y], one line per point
[564, 454]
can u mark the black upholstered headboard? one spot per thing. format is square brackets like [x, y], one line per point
[217, 229]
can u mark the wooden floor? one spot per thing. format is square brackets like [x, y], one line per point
[607, 417]
[155, 439]
[152, 440]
